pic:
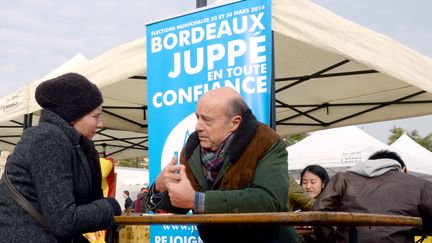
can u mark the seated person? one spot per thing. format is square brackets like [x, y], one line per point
[300, 200]
[380, 186]
[314, 179]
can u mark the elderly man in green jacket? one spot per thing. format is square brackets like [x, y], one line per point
[231, 164]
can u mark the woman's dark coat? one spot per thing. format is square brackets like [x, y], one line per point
[49, 168]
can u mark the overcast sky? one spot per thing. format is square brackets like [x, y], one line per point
[37, 36]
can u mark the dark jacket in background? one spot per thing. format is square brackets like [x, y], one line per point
[137, 203]
[379, 190]
[50, 169]
[128, 203]
[144, 202]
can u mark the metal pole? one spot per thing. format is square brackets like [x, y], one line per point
[30, 120]
[104, 145]
[25, 121]
[273, 92]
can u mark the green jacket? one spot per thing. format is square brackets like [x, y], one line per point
[253, 178]
[265, 192]
[298, 198]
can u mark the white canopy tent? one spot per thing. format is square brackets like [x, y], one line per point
[335, 149]
[121, 115]
[18, 103]
[417, 159]
[131, 179]
[330, 72]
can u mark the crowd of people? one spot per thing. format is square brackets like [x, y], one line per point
[232, 163]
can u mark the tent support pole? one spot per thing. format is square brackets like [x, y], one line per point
[28, 120]
[25, 121]
[104, 150]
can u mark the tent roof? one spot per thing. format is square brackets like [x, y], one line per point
[121, 144]
[339, 147]
[416, 157]
[330, 72]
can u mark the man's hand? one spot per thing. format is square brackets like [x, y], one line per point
[182, 194]
[168, 175]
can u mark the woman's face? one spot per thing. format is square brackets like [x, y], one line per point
[312, 184]
[88, 124]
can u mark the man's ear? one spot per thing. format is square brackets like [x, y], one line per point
[236, 120]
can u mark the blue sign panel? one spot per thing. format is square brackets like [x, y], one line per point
[229, 45]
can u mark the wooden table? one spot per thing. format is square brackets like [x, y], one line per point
[289, 218]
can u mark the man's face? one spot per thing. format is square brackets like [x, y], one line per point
[213, 126]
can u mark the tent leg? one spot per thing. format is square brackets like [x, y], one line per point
[28, 120]
[104, 145]
[25, 122]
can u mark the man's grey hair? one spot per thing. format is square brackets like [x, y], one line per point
[236, 107]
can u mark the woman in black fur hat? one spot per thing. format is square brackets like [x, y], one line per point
[55, 167]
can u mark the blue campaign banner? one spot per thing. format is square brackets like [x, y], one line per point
[228, 45]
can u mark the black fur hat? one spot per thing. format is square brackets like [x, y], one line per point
[71, 96]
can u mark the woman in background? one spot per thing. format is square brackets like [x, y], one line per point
[313, 179]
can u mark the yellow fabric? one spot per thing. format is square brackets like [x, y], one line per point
[95, 237]
[106, 167]
[426, 240]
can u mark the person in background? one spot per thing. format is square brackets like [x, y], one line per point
[137, 203]
[55, 167]
[231, 164]
[378, 185]
[298, 198]
[314, 179]
[128, 201]
[144, 192]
